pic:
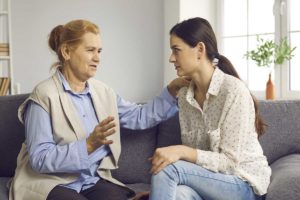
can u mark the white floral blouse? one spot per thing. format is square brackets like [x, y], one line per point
[223, 132]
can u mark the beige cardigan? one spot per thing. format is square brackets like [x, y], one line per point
[28, 184]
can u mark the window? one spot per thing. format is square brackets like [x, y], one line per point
[268, 19]
[294, 34]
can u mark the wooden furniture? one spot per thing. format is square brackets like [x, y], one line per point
[6, 67]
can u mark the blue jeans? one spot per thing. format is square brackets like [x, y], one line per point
[187, 181]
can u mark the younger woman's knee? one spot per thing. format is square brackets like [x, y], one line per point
[184, 192]
[169, 172]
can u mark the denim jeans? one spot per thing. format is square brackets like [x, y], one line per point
[187, 181]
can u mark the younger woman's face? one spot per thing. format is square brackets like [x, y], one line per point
[184, 57]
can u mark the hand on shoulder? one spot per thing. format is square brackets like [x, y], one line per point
[175, 85]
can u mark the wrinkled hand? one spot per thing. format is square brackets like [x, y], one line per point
[163, 157]
[98, 137]
[175, 85]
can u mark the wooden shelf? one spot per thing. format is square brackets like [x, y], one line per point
[2, 12]
[5, 32]
[4, 57]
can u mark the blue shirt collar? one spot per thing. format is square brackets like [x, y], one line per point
[67, 87]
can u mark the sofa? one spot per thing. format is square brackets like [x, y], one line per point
[281, 145]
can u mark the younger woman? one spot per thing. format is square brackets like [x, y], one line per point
[221, 157]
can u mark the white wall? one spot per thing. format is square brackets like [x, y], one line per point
[135, 37]
[184, 9]
[198, 8]
[132, 32]
[171, 17]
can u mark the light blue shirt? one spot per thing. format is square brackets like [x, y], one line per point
[48, 157]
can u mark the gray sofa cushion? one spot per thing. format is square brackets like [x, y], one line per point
[169, 132]
[3, 188]
[139, 187]
[285, 179]
[283, 132]
[137, 147]
[12, 136]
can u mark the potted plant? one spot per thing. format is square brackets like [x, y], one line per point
[267, 54]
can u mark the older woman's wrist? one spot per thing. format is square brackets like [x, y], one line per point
[90, 145]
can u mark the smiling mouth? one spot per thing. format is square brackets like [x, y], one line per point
[94, 66]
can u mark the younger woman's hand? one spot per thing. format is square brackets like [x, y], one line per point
[168, 155]
[163, 157]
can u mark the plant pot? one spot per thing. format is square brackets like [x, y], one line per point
[270, 89]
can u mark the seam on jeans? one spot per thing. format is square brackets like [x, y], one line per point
[231, 182]
[172, 177]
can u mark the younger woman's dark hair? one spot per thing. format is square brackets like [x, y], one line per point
[195, 30]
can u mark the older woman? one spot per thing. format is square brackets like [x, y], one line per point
[72, 124]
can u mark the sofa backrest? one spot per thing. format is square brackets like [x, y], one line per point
[282, 138]
[169, 132]
[139, 145]
[282, 135]
[11, 133]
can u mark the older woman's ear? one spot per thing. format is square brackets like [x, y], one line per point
[65, 52]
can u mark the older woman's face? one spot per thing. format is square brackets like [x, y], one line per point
[85, 58]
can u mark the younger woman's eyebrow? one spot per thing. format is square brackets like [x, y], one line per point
[174, 46]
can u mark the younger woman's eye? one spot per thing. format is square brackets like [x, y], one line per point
[175, 51]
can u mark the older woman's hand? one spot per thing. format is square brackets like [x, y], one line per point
[98, 137]
[175, 85]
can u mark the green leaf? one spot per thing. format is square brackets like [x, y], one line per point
[267, 52]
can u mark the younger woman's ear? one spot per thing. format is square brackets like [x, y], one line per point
[201, 49]
[201, 46]
[65, 52]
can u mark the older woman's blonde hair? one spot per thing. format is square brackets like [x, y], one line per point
[69, 34]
